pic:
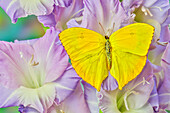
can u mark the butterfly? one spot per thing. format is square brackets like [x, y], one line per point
[93, 55]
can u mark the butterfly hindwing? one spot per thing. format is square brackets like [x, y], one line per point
[86, 49]
[130, 45]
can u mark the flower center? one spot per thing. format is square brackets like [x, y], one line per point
[123, 100]
[31, 77]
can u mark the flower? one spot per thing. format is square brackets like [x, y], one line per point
[103, 16]
[132, 98]
[61, 15]
[160, 95]
[38, 74]
[82, 100]
[22, 8]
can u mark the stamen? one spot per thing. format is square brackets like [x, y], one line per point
[31, 59]
[126, 95]
[157, 7]
[149, 12]
[76, 13]
[126, 105]
[21, 54]
[146, 11]
[161, 43]
[35, 63]
[62, 111]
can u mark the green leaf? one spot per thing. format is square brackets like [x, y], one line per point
[168, 111]
[100, 111]
[45, 28]
[9, 110]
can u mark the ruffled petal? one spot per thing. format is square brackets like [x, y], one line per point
[110, 83]
[75, 103]
[156, 54]
[63, 14]
[66, 84]
[13, 9]
[21, 8]
[90, 97]
[136, 101]
[154, 98]
[40, 98]
[14, 57]
[147, 108]
[164, 90]
[27, 109]
[103, 16]
[132, 97]
[130, 5]
[5, 93]
[47, 20]
[37, 7]
[63, 3]
[51, 55]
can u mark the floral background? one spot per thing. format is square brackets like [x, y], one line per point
[30, 28]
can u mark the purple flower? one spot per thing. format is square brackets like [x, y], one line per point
[132, 98]
[35, 74]
[82, 100]
[22, 8]
[61, 15]
[103, 16]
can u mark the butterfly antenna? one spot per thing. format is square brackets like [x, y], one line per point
[102, 28]
[113, 28]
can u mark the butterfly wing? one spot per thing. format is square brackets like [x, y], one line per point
[130, 45]
[86, 49]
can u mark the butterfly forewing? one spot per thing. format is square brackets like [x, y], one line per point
[86, 49]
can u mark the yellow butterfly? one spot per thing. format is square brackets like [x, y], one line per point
[93, 55]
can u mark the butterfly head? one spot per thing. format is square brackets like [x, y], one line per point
[106, 37]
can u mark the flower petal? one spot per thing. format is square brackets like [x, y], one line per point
[51, 55]
[27, 109]
[90, 97]
[37, 7]
[132, 97]
[137, 101]
[40, 98]
[75, 103]
[66, 84]
[14, 57]
[147, 108]
[154, 98]
[63, 3]
[110, 83]
[13, 9]
[156, 54]
[63, 14]
[47, 20]
[21, 8]
[164, 90]
[103, 16]
[5, 93]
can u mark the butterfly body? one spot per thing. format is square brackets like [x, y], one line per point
[108, 53]
[94, 56]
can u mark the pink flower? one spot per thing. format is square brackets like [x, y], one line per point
[35, 74]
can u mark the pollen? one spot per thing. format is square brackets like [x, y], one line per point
[34, 63]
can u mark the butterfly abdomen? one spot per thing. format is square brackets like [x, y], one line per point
[108, 53]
